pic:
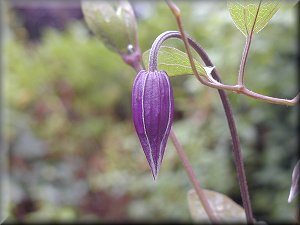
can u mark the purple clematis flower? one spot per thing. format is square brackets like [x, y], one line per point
[152, 109]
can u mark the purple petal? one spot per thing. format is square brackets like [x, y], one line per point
[152, 109]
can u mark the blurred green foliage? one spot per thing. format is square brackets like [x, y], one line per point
[74, 152]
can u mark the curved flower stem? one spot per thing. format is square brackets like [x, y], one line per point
[153, 64]
[229, 115]
[237, 153]
[193, 179]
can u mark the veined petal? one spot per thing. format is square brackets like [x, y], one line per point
[152, 110]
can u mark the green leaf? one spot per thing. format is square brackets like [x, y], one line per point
[225, 209]
[174, 62]
[252, 16]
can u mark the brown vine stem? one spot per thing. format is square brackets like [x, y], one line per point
[238, 88]
[193, 179]
[237, 153]
[230, 120]
[236, 145]
[244, 60]
[228, 112]
[246, 50]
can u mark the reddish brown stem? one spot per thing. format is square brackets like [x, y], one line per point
[192, 176]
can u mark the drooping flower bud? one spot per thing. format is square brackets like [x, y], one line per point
[113, 22]
[152, 109]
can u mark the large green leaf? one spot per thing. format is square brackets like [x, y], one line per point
[252, 15]
[225, 209]
[174, 62]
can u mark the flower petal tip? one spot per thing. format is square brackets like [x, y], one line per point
[155, 172]
[154, 176]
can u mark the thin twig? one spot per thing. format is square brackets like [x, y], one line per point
[237, 153]
[188, 168]
[229, 115]
[244, 60]
[238, 88]
[246, 50]
[231, 123]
